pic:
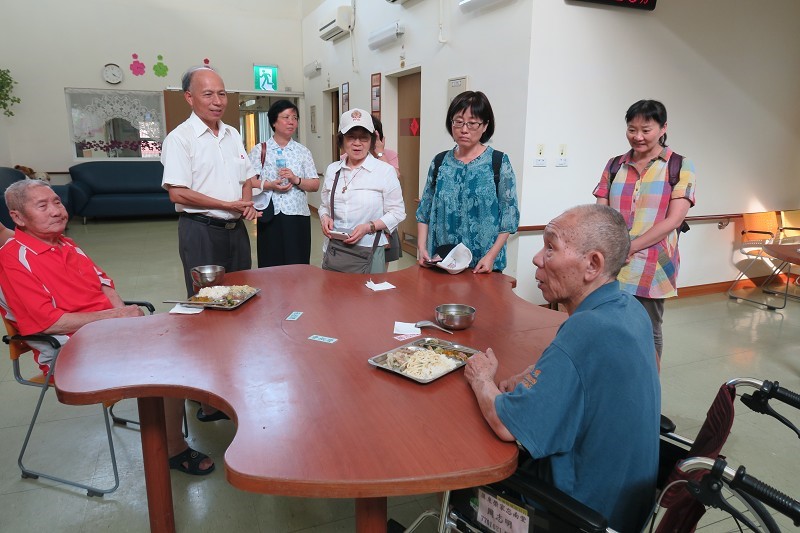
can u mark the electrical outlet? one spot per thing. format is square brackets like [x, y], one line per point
[561, 161]
[540, 150]
[539, 162]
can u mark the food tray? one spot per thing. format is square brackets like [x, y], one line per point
[426, 342]
[217, 305]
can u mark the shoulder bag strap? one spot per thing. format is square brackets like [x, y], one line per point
[263, 153]
[333, 190]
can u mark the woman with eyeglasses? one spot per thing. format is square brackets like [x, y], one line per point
[285, 172]
[462, 201]
[367, 199]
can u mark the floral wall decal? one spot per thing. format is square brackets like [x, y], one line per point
[137, 67]
[160, 69]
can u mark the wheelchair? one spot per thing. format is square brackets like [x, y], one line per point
[692, 478]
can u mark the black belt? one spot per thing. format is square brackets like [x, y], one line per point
[211, 221]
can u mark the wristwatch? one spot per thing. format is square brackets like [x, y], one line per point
[372, 228]
[380, 154]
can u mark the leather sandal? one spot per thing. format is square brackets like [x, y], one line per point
[192, 459]
[218, 415]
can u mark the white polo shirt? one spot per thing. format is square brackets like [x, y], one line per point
[216, 166]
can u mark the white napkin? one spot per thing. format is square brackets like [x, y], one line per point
[385, 286]
[405, 328]
[185, 310]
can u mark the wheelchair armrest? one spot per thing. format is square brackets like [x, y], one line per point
[147, 305]
[52, 341]
[667, 425]
[558, 503]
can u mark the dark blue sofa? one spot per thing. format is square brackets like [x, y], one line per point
[106, 189]
[8, 176]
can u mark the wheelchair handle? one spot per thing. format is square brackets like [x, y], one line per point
[741, 480]
[767, 494]
[770, 388]
[773, 390]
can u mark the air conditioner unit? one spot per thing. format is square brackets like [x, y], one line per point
[338, 26]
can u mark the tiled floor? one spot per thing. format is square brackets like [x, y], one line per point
[708, 340]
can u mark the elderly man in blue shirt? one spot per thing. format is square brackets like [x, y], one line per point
[588, 410]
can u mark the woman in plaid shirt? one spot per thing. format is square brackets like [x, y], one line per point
[653, 209]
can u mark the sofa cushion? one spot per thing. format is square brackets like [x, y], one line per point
[112, 177]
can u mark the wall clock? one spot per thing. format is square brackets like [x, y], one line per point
[112, 73]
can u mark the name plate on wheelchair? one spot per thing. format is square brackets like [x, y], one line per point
[501, 516]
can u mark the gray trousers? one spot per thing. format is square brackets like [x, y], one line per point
[201, 244]
[655, 310]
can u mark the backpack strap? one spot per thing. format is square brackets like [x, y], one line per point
[497, 162]
[437, 162]
[674, 169]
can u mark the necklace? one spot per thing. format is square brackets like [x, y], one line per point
[352, 177]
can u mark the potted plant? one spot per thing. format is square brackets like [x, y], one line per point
[7, 98]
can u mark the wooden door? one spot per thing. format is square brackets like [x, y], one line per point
[408, 130]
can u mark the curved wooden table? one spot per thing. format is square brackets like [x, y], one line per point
[315, 419]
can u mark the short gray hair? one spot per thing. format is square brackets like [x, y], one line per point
[16, 194]
[602, 228]
[186, 79]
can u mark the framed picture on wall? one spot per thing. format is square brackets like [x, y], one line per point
[375, 94]
[345, 97]
[312, 118]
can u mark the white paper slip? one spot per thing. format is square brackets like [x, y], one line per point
[405, 328]
[321, 338]
[384, 286]
[294, 315]
[185, 310]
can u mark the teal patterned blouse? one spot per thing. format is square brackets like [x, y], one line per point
[466, 207]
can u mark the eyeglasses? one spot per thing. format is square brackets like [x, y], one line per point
[472, 126]
[364, 139]
[289, 118]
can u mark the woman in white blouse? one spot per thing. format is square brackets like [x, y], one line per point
[285, 172]
[368, 198]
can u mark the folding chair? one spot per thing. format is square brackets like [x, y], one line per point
[759, 229]
[790, 229]
[17, 346]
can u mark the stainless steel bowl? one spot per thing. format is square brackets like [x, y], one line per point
[455, 316]
[208, 275]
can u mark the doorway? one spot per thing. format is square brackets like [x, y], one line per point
[408, 130]
[336, 151]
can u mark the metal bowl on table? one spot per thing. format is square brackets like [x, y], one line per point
[208, 275]
[455, 316]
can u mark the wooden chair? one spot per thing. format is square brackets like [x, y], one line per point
[758, 230]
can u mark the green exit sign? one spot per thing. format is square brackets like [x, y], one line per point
[265, 77]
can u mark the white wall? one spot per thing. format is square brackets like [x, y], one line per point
[65, 44]
[468, 50]
[728, 72]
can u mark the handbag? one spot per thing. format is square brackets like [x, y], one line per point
[268, 213]
[349, 258]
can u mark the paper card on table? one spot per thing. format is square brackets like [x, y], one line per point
[294, 315]
[384, 286]
[405, 328]
[321, 338]
[185, 310]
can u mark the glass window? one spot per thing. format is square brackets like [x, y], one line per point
[108, 123]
